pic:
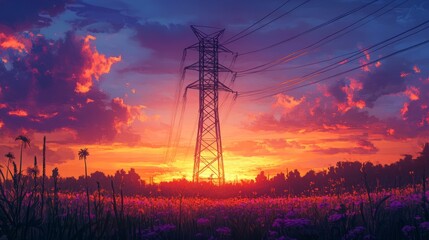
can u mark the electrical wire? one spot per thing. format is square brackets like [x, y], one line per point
[273, 20]
[175, 107]
[321, 42]
[231, 39]
[349, 70]
[312, 29]
[396, 38]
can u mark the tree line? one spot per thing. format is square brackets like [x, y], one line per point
[345, 176]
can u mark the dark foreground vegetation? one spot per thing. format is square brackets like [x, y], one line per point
[344, 177]
[349, 201]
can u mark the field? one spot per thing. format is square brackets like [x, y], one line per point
[351, 201]
[395, 214]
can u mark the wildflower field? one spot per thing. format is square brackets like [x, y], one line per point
[399, 214]
[352, 205]
[394, 214]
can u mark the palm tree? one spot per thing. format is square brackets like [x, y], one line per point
[25, 141]
[83, 153]
[10, 158]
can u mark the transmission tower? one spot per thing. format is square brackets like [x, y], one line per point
[208, 159]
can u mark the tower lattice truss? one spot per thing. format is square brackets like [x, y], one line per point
[208, 158]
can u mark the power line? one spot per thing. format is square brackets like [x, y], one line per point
[231, 39]
[275, 19]
[167, 157]
[173, 142]
[307, 64]
[312, 29]
[350, 70]
[356, 56]
[327, 39]
[347, 60]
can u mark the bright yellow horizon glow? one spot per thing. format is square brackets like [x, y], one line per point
[149, 162]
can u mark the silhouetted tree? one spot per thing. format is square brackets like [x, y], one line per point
[337, 179]
[99, 177]
[293, 179]
[132, 181]
[261, 178]
[279, 182]
[424, 158]
[83, 154]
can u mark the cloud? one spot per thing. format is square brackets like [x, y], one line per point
[314, 113]
[11, 42]
[414, 120]
[344, 92]
[55, 86]
[19, 15]
[98, 19]
[264, 147]
[356, 103]
[158, 38]
[361, 146]
[368, 86]
[385, 80]
[287, 102]
[97, 65]
[53, 156]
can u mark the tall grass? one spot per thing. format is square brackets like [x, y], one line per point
[393, 214]
[30, 211]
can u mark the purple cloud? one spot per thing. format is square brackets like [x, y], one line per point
[54, 87]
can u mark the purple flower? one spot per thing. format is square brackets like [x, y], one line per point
[278, 223]
[203, 222]
[224, 231]
[299, 222]
[396, 205]
[291, 223]
[424, 226]
[199, 236]
[355, 232]
[167, 227]
[272, 233]
[323, 204]
[285, 238]
[147, 234]
[359, 229]
[408, 230]
[291, 214]
[335, 217]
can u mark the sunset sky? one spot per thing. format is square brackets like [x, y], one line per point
[104, 74]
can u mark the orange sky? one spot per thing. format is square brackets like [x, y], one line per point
[244, 154]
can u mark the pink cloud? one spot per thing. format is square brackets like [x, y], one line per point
[359, 147]
[54, 87]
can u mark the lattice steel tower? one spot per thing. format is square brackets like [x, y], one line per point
[208, 159]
